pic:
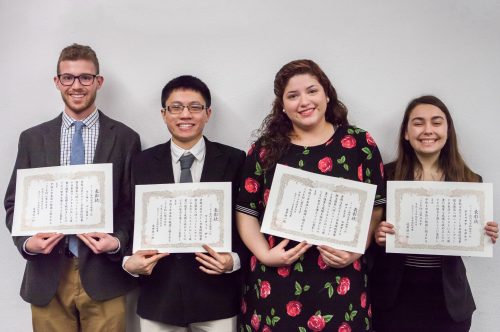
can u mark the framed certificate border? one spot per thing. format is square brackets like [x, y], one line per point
[287, 179]
[479, 199]
[44, 205]
[146, 220]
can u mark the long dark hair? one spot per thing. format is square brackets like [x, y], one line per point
[450, 161]
[275, 129]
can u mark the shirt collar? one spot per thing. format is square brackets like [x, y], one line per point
[198, 150]
[89, 121]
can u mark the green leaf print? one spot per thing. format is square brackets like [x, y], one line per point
[262, 267]
[350, 131]
[256, 288]
[341, 160]
[301, 329]
[350, 306]
[298, 267]
[306, 151]
[353, 314]
[317, 313]
[357, 130]
[337, 279]
[368, 172]
[268, 320]
[275, 320]
[273, 311]
[367, 323]
[346, 167]
[369, 157]
[249, 329]
[253, 205]
[347, 317]
[258, 169]
[330, 292]
[298, 288]
[366, 150]
[306, 288]
[366, 280]
[327, 318]
[301, 163]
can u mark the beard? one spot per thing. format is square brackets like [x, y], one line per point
[81, 106]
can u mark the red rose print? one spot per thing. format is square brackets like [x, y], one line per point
[370, 311]
[271, 241]
[293, 308]
[316, 323]
[381, 169]
[348, 142]
[251, 185]
[266, 328]
[243, 306]
[363, 300]
[262, 154]
[344, 327]
[360, 172]
[255, 321]
[265, 289]
[266, 196]
[253, 263]
[250, 151]
[284, 271]
[321, 263]
[357, 265]
[369, 139]
[344, 286]
[325, 164]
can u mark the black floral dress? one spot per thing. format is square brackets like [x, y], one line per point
[308, 295]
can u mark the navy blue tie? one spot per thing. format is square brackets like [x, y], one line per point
[77, 157]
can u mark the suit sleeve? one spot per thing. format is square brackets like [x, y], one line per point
[123, 212]
[22, 161]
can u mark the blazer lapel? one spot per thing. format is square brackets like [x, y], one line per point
[52, 142]
[161, 167]
[215, 163]
[106, 140]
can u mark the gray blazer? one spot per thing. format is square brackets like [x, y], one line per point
[102, 275]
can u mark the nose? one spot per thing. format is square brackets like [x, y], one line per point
[77, 83]
[428, 128]
[185, 112]
[304, 100]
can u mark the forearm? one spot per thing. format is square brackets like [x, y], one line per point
[249, 229]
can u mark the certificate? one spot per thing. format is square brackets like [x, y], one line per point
[181, 217]
[439, 218]
[66, 199]
[319, 209]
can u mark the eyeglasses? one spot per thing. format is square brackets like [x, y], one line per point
[179, 108]
[69, 79]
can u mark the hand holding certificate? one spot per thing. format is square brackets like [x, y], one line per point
[182, 217]
[319, 209]
[441, 218]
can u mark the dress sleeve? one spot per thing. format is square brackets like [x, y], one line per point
[250, 196]
[371, 170]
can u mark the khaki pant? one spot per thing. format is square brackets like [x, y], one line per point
[221, 325]
[72, 309]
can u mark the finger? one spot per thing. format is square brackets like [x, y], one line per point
[211, 251]
[87, 242]
[208, 265]
[210, 260]
[148, 252]
[208, 271]
[283, 243]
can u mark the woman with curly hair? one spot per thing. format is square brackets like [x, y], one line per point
[292, 286]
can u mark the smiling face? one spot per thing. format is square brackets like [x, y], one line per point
[186, 128]
[79, 99]
[305, 101]
[427, 130]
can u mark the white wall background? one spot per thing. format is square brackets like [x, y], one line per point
[378, 54]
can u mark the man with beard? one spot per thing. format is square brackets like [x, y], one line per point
[76, 283]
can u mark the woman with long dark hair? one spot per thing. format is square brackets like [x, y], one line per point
[424, 292]
[292, 286]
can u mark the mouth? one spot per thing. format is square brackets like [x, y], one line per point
[307, 111]
[77, 95]
[428, 141]
[185, 126]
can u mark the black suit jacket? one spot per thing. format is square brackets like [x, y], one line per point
[386, 276]
[102, 275]
[177, 292]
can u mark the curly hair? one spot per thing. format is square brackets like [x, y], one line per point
[274, 132]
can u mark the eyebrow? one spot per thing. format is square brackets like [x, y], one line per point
[437, 117]
[309, 87]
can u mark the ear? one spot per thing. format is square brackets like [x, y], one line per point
[209, 112]
[406, 135]
[163, 114]
[100, 81]
[56, 82]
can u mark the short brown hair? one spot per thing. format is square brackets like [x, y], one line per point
[78, 52]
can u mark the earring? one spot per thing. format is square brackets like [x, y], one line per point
[284, 111]
[327, 99]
